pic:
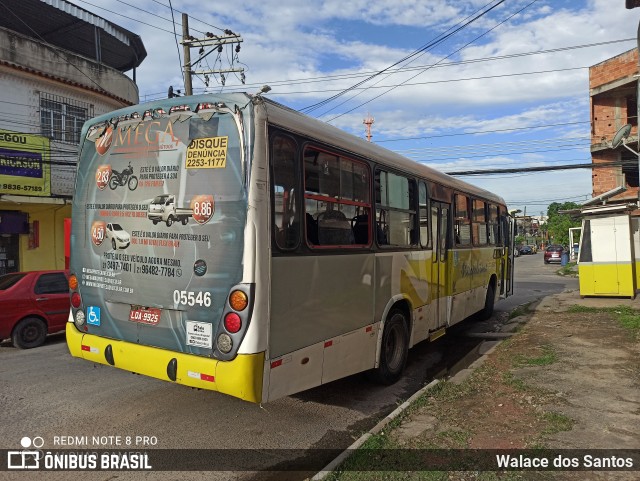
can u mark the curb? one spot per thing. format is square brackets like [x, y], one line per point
[329, 468]
[342, 457]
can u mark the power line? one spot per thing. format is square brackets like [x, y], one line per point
[326, 78]
[424, 48]
[201, 21]
[482, 132]
[173, 20]
[599, 165]
[500, 145]
[555, 149]
[126, 16]
[413, 84]
[443, 59]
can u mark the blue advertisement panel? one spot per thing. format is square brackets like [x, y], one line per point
[25, 167]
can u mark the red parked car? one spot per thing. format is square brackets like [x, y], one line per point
[33, 304]
[553, 254]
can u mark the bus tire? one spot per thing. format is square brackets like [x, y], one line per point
[29, 332]
[487, 312]
[393, 350]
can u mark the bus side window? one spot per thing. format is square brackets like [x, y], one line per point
[462, 226]
[423, 215]
[285, 180]
[336, 199]
[395, 209]
[493, 225]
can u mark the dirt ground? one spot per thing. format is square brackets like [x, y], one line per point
[569, 378]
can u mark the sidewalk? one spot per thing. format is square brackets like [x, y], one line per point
[568, 378]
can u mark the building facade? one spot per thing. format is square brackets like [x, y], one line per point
[60, 65]
[613, 92]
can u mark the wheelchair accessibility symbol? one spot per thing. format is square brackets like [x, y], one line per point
[93, 315]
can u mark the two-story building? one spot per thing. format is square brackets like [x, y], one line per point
[613, 92]
[60, 65]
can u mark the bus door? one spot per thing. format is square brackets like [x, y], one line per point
[507, 271]
[440, 262]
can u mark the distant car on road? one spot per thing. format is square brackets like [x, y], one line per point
[553, 253]
[33, 304]
[526, 250]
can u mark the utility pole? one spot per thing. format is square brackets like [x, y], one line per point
[188, 86]
[215, 42]
[368, 122]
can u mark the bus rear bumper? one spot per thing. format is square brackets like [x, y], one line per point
[241, 378]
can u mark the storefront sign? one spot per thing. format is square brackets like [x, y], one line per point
[25, 167]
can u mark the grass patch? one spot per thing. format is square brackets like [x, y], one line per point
[522, 310]
[455, 438]
[516, 383]
[626, 316]
[569, 270]
[577, 309]
[557, 423]
[547, 357]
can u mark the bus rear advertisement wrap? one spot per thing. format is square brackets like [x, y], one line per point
[158, 221]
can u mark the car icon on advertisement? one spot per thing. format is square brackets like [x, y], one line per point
[120, 239]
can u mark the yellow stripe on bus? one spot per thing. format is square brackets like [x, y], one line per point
[241, 377]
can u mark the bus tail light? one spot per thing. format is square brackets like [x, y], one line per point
[238, 300]
[224, 343]
[76, 300]
[232, 322]
[79, 318]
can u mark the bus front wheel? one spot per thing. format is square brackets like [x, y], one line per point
[393, 350]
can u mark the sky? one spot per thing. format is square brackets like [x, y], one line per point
[460, 85]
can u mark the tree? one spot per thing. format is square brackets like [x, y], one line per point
[558, 224]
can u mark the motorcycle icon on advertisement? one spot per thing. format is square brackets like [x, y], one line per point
[125, 177]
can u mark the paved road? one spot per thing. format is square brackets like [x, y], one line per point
[45, 392]
[534, 280]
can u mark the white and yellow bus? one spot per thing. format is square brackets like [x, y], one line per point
[260, 252]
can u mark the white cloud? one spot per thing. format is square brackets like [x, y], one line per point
[302, 39]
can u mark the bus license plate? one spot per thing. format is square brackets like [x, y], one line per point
[146, 315]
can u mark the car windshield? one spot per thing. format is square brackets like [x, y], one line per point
[117, 227]
[9, 280]
[554, 248]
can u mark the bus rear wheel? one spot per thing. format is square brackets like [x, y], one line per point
[487, 312]
[393, 350]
